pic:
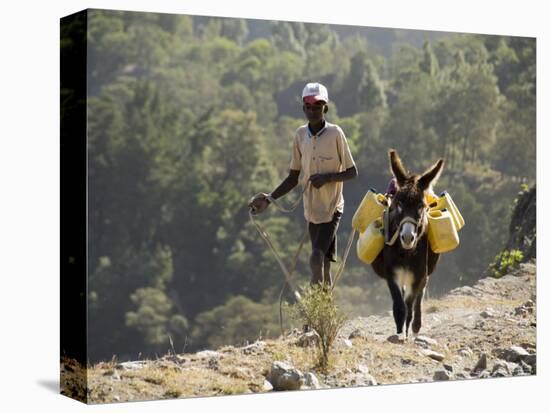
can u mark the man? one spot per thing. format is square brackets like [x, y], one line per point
[322, 154]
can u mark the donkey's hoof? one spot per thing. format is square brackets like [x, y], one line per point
[396, 339]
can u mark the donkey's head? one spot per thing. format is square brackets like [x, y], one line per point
[408, 209]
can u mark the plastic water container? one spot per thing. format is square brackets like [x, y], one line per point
[371, 207]
[431, 198]
[446, 202]
[442, 233]
[371, 241]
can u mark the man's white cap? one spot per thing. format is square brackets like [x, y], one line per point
[314, 92]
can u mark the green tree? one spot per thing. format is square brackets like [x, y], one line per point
[238, 321]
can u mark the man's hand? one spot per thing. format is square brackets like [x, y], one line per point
[318, 180]
[259, 203]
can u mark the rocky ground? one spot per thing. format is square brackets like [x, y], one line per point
[487, 330]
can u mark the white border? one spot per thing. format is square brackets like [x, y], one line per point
[29, 209]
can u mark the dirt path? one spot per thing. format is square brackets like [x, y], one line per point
[488, 330]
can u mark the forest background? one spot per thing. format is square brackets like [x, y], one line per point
[189, 116]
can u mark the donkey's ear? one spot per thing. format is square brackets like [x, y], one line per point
[397, 168]
[431, 176]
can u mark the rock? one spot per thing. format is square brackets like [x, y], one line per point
[502, 369]
[442, 375]
[207, 354]
[433, 355]
[466, 352]
[484, 374]
[395, 339]
[515, 354]
[518, 371]
[361, 368]
[489, 313]
[425, 340]
[529, 304]
[309, 339]
[527, 369]
[481, 363]
[363, 380]
[116, 398]
[531, 360]
[357, 333]
[267, 386]
[480, 325]
[526, 308]
[283, 376]
[466, 290]
[131, 365]
[462, 375]
[347, 343]
[521, 311]
[408, 362]
[254, 348]
[312, 382]
[370, 380]
[448, 367]
[500, 373]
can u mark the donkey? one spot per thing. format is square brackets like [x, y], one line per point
[407, 264]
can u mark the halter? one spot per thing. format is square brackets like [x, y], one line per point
[405, 220]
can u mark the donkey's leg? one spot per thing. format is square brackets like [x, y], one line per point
[409, 301]
[399, 308]
[419, 292]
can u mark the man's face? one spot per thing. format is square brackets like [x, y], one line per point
[315, 111]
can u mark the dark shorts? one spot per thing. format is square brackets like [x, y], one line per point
[323, 236]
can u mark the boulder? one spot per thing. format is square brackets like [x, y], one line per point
[284, 376]
[514, 354]
[312, 382]
[433, 355]
[481, 363]
[442, 375]
[267, 386]
[502, 369]
[425, 340]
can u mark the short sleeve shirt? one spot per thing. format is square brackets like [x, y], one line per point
[325, 152]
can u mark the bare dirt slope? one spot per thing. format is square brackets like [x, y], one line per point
[487, 330]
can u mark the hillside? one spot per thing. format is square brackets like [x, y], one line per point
[486, 330]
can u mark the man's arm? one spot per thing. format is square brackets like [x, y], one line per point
[260, 201]
[318, 180]
[287, 185]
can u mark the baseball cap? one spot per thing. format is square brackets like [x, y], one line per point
[314, 92]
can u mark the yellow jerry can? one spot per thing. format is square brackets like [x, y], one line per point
[446, 202]
[371, 241]
[442, 234]
[431, 198]
[372, 207]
